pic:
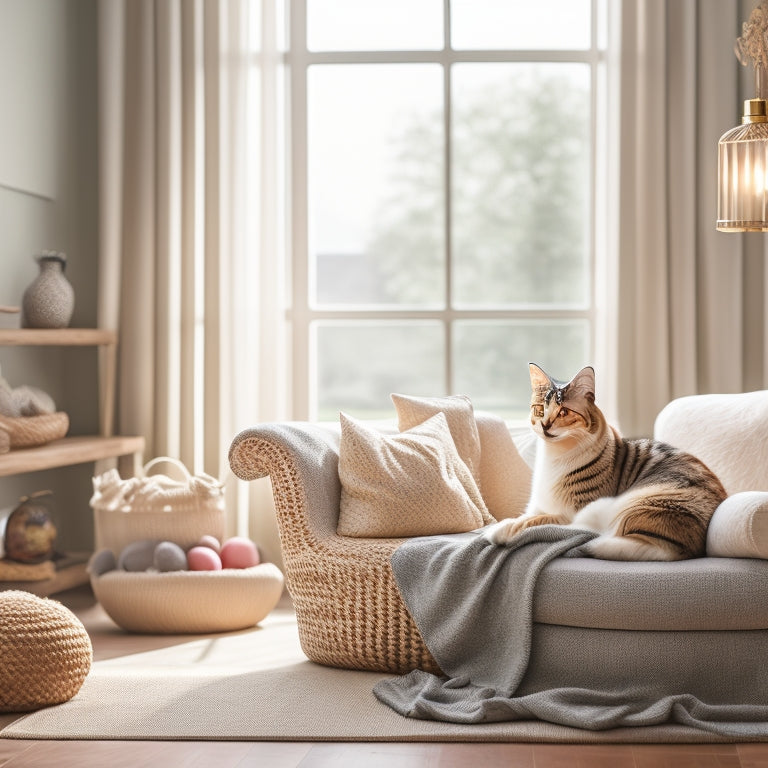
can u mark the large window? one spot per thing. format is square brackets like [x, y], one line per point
[443, 198]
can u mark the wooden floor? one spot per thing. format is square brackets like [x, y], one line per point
[167, 754]
[122, 754]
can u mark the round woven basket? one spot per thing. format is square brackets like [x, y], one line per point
[45, 652]
[189, 602]
[28, 431]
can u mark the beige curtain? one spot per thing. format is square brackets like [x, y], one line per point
[189, 269]
[688, 299]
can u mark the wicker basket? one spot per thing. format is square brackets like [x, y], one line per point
[155, 506]
[29, 431]
[189, 602]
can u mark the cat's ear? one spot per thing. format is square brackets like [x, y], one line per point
[539, 379]
[583, 384]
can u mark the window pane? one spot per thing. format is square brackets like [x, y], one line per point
[376, 181]
[358, 365]
[520, 24]
[490, 362]
[521, 184]
[370, 25]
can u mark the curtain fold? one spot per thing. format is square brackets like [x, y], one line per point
[683, 322]
[181, 85]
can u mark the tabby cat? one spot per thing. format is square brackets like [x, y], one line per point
[646, 499]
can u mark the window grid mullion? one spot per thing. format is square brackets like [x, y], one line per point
[302, 313]
[448, 361]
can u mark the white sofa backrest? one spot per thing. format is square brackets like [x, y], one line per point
[729, 433]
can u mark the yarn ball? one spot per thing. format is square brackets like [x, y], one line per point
[138, 555]
[169, 556]
[211, 542]
[203, 559]
[239, 552]
[45, 651]
[102, 562]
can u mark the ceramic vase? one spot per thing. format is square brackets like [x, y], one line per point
[49, 300]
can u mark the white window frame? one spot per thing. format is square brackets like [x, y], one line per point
[301, 314]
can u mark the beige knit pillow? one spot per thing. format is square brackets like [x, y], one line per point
[458, 413]
[410, 484]
[484, 442]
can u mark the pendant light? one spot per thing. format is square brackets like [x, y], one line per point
[742, 193]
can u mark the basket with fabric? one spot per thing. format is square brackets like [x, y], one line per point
[156, 506]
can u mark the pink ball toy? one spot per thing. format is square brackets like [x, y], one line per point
[203, 559]
[239, 552]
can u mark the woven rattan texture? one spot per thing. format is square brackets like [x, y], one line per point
[28, 431]
[45, 652]
[349, 611]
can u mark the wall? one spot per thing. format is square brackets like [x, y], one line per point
[48, 200]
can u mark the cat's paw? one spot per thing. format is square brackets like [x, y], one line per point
[502, 532]
[505, 530]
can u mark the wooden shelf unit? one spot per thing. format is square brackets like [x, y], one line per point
[69, 451]
[70, 572]
[72, 450]
[105, 340]
[56, 337]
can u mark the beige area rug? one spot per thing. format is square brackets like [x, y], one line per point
[258, 686]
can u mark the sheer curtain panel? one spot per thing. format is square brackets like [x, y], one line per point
[688, 299]
[190, 270]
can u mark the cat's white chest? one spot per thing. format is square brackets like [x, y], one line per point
[547, 479]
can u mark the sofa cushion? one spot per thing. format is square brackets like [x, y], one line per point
[739, 527]
[708, 593]
[409, 484]
[505, 478]
[724, 432]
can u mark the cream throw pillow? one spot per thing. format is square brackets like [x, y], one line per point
[739, 527]
[410, 484]
[483, 441]
[458, 413]
[505, 476]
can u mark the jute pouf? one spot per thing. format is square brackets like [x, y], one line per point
[45, 652]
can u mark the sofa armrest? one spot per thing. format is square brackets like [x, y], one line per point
[302, 462]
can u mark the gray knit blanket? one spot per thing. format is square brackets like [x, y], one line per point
[472, 602]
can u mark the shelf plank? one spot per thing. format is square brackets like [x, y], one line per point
[68, 451]
[53, 337]
[70, 573]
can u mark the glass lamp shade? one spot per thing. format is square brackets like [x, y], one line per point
[742, 194]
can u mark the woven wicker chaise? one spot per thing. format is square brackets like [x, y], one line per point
[347, 605]
[696, 625]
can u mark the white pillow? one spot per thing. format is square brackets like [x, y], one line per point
[410, 484]
[739, 527]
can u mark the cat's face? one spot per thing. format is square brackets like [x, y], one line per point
[561, 410]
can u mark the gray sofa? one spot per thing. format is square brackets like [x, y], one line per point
[697, 626]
